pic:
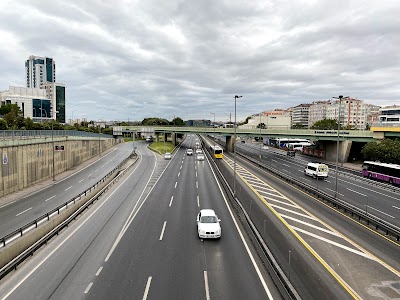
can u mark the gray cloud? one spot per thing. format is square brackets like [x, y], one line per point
[136, 59]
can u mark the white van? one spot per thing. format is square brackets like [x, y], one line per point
[316, 170]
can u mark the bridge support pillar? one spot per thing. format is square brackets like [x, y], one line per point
[157, 137]
[173, 137]
[166, 137]
[230, 143]
[344, 151]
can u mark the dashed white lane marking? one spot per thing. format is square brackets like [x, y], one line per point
[286, 165]
[176, 183]
[357, 192]
[162, 231]
[170, 203]
[90, 174]
[327, 181]
[146, 291]
[333, 243]
[50, 198]
[197, 184]
[81, 180]
[88, 287]
[381, 212]
[396, 207]
[23, 211]
[96, 170]
[68, 188]
[334, 191]
[196, 174]
[198, 201]
[179, 174]
[180, 168]
[99, 271]
[206, 286]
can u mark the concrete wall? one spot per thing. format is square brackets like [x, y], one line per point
[25, 165]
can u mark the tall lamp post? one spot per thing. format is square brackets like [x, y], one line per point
[234, 151]
[260, 136]
[214, 128]
[337, 143]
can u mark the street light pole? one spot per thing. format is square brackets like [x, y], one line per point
[337, 143]
[234, 151]
[52, 142]
[214, 128]
[260, 136]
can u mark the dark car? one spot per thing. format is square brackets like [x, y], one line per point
[291, 153]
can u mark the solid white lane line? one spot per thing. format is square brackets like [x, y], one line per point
[23, 211]
[333, 243]
[81, 180]
[310, 225]
[260, 276]
[99, 271]
[179, 174]
[357, 192]
[88, 287]
[198, 201]
[50, 198]
[206, 285]
[381, 212]
[68, 188]
[170, 203]
[396, 207]
[334, 191]
[162, 231]
[146, 291]
[176, 183]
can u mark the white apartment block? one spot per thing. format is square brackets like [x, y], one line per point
[300, 115]
[354, 113]
[33, 103]
[317, 112]
[39, 70]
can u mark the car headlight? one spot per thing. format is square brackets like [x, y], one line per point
[202, 231]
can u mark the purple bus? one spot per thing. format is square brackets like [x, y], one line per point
[381, 171]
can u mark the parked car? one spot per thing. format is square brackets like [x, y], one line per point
[167, 155]
[208, 224]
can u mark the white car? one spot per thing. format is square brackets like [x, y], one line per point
[167, 155]
[208, 224]
[189, 151]
[200, 156]
[199, 151]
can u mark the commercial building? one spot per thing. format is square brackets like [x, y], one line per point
[300, 115]
[39, 70]
[56, 92]
[33, 103]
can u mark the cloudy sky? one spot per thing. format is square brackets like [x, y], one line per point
[128, 59]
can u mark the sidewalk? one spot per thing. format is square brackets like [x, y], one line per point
[19, 195]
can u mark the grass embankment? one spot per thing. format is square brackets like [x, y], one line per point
[161, 148]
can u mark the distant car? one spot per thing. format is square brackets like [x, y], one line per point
[291, 153]
[197, 144]
[199, 151]
[149, 139]
[189, 151]
[200, 156]
[208, 224]
[167, 155]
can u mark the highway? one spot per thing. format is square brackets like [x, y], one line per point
[383, 202]
[140, 242]
[22, 211]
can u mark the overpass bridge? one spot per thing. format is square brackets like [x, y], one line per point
[327, 139]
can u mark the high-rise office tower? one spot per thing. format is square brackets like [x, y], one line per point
[39, 70]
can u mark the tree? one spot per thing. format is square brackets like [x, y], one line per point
[177, 122]
[325, 124]
[3, 124]
[387, 151]
[298, 126]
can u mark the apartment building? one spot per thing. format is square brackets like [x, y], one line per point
[39, 70]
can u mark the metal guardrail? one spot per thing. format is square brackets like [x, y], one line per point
[13, 264]
[56, 211]
[20, 134]
[370, 219]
